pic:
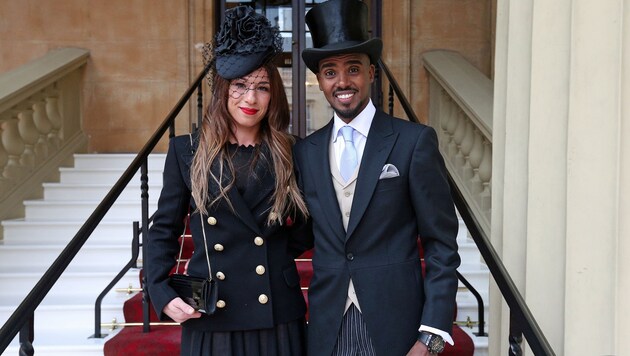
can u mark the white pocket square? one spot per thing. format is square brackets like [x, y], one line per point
[389, 171]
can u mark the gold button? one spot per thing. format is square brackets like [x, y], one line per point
[260, 269]
[263, 299]
[347, 194]
[220, 275]
[259, 241]
[218, 247]
[212, 220]
[220, 304]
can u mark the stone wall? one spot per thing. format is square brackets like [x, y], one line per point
[143, 56]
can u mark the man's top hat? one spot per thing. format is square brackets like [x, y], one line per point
[339, 27]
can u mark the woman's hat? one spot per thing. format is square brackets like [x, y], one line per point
[339, 27]
[244, 43]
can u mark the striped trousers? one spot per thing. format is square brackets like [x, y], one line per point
[353, 338]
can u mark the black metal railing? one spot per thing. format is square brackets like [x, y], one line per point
[522, 322]
[21, 321]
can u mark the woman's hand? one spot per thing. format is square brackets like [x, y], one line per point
[179, 311]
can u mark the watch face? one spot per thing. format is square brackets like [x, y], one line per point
[436, 344]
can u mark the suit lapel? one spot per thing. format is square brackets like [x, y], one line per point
[379, 144]
[318, 156]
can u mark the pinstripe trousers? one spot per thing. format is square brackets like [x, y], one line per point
[353, 338]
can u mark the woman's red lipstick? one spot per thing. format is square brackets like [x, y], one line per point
[249, 111]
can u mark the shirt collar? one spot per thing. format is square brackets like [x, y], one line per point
[360, 123]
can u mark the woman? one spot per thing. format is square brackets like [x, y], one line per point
[236, 179]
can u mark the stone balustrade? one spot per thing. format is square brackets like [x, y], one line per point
[460, 110]
[40, 123]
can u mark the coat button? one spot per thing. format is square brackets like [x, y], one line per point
[350, 256]
[347, 194]
[218, 247]
[347, 213]
[260, 270]
[220, 304]
[212, 220]
[259, 241]
[220, 275]
[263, 299]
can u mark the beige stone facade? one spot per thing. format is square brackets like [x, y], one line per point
[143, 56]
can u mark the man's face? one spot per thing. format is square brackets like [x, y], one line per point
[345, 80]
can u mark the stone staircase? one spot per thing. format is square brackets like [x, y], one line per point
[64, 321]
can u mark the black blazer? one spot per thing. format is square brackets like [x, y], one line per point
[379, 250]
[239, 257]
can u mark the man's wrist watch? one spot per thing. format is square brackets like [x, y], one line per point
[434, 343]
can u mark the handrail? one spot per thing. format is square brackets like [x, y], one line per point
[26, 309]
[522, 318]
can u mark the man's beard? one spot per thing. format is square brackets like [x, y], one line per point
[351, 113]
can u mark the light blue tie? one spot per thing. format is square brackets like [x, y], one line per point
[349, 157]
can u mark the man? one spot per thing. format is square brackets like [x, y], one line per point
[373, 184]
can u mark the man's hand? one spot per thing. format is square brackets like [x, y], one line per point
[419, 349]
[180, 311]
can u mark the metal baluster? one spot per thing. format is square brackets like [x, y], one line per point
[516, 336]
[144, 188]
[26, 337]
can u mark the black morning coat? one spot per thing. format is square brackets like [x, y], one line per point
[379, 250]
[238, 242]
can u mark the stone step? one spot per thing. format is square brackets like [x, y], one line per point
[72, 285]
[115, 160]
[62, 343]
[41, 257]
[20, 231]
[81, 210]
[96, 192]
[104, 175]
[62, 330]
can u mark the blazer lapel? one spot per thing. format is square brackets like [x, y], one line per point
[380, 142]
[240, 207]
[318, 156]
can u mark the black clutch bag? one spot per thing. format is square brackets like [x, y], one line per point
[199, 293]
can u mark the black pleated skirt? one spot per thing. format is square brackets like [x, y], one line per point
[283, 340]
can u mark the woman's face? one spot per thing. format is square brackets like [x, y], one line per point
[248, 99]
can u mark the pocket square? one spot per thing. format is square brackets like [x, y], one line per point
[389, 171]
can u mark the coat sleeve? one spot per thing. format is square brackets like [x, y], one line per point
[168, 225]
[437, 227]
[301, 233]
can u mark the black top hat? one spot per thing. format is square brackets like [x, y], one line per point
[245, 42]
[339, 27]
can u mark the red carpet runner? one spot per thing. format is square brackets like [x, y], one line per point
[165, 340]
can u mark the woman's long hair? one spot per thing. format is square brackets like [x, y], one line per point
[216, 130]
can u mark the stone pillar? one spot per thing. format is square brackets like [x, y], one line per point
[510, 145]
[561, 170]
